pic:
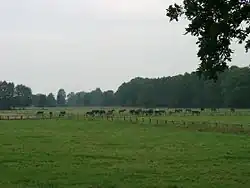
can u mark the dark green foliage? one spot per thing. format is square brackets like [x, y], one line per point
[108, 98]
[51, 101]
[61, 97]
[232, 89]
[6, 95]
[23, 96]
[42, 100]
[215, 23]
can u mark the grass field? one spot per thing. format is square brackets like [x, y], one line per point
[105, 154]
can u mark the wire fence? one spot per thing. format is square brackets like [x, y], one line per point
[198, 125]
[206, 126]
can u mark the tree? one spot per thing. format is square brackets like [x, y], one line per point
[87, 99]
[235, 88]
[23, 96]
[51, 101]
[231, 90]
[187, 91]
[96, 97]
[61, 97]
[80, 98]
[42, 100]
[71, 99]
[35, 100]
[6, 95]
[108, 98]
[215, 23]
[39, 100]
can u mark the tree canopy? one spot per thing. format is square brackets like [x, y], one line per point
[216, 24]
[232, 90]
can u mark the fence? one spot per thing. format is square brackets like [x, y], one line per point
[206, 126]
[196, 125]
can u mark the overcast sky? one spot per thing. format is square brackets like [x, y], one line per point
[83, 44]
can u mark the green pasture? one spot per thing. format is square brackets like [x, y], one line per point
[71, 154]
[99, 153]
[241, 116]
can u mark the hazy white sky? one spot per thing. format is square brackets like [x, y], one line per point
[84, 44]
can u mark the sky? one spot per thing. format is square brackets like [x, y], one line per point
[80, 45]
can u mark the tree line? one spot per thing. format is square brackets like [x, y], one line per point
[231, 90]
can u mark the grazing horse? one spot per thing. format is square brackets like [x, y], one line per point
[160, 112]
[102, 112]
[148, 112]
[40, 113]
[196, 112]
[121, 111]
[178, 110]
[132, 112]
[97, 112]
[136, 112]
[110, 112]
[232, 110]
[62, 114]
[90, 113]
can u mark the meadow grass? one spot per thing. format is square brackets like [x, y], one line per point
[244, 119]
[72, 154]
